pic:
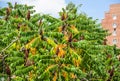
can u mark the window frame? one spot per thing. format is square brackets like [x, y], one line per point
[114, 25]
[114, 17]
[114, 41]
[114, 33]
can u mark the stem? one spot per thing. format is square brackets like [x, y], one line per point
[9, 78]
[3, 61]
[9, 45]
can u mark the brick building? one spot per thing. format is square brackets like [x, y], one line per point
[111, 22]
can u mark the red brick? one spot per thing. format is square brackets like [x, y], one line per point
[108, 21]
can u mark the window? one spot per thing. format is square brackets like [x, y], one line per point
[114, 17]
[114, 25]
[114, 41]
[114, 32]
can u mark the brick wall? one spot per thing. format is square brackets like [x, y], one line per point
[111, 22]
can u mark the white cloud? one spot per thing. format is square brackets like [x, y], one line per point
[51, 7]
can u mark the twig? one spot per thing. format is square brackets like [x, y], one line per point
[3, 62]
[9, 45]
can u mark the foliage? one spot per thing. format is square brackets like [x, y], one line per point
[37, 47]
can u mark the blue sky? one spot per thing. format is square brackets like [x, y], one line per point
[93, 8]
